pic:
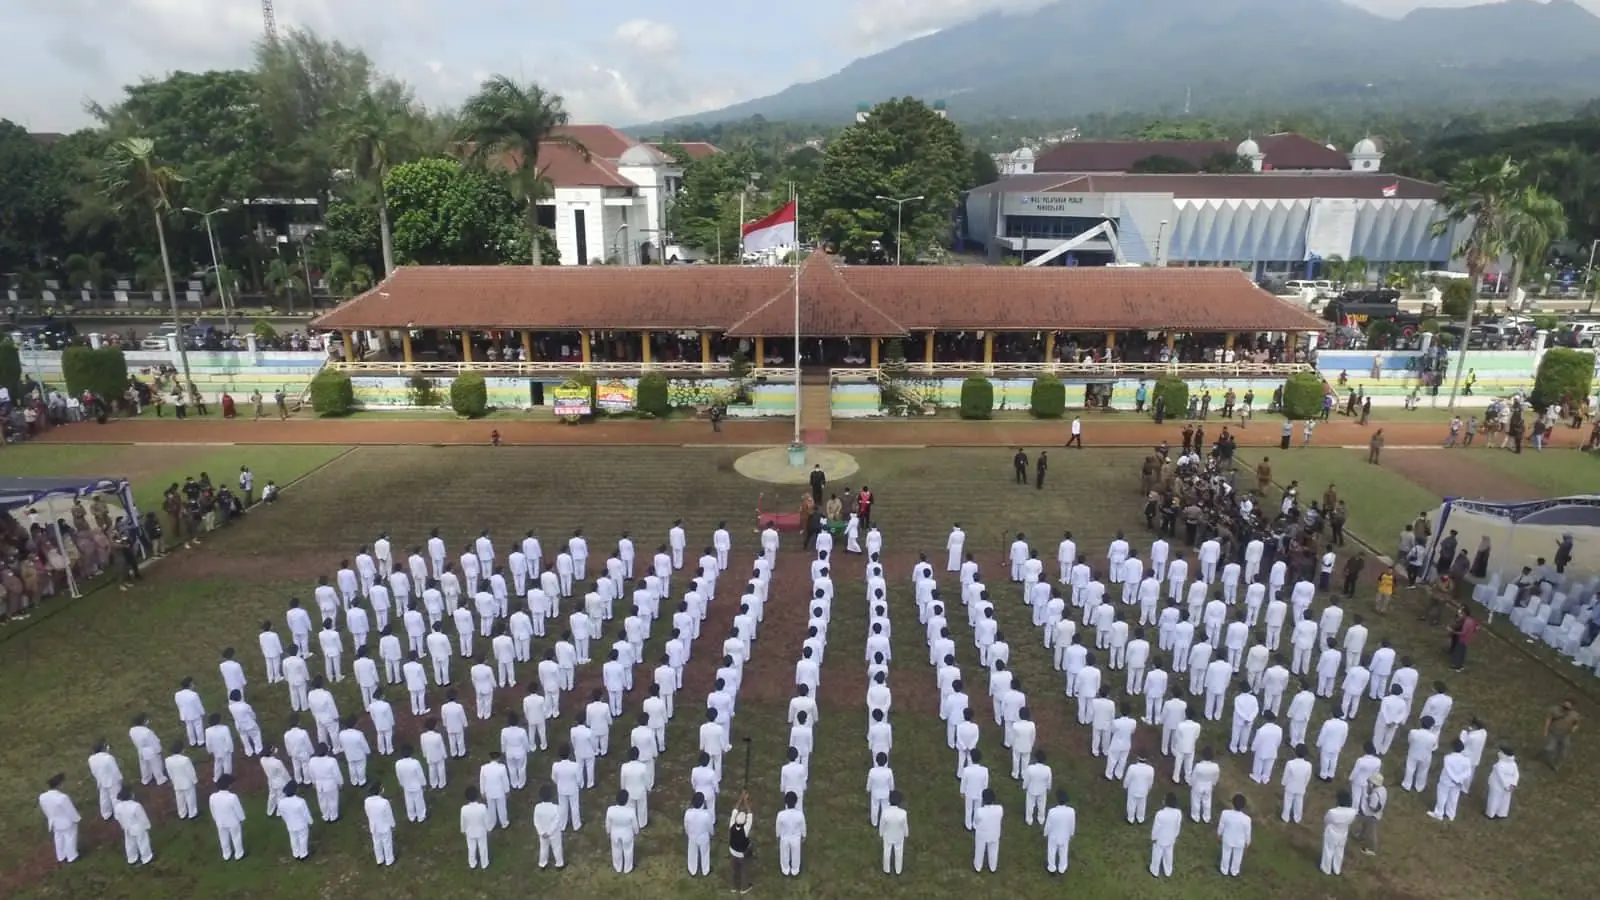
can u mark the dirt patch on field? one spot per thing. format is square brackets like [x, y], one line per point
[1456, 473]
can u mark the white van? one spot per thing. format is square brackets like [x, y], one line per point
[1298, 288]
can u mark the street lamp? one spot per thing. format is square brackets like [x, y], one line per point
[619, 249]
[1160, 233]
[216, 264]
[899, 212]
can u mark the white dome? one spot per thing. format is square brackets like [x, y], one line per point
[1248, 147]
[642, 155]
[1330, 146]
[1365, 147]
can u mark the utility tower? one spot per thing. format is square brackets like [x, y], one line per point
[269, 21]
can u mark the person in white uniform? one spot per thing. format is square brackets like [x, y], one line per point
[135, 823]
[1233, 829]
[61, 818]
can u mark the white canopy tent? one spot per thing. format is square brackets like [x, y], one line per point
[1521, 532]
[52, 498]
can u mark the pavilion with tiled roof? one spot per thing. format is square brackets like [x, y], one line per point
[644, 313]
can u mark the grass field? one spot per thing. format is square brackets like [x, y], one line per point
[83, 672]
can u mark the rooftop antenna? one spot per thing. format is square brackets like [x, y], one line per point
[269, 21]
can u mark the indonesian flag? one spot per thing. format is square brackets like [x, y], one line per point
[776, 230]
[1391, 190]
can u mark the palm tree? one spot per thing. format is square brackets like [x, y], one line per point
[1482, 194]
[347, 280]
[135, 176]
[377, 134]
[506, 123]
[1536, 221]
[281, 280]
[87, 272]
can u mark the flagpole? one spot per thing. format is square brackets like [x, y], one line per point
[795, 198]
[741, 228]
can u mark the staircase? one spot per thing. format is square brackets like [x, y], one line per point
[816, 409]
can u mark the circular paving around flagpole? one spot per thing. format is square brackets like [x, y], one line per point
[772, 465]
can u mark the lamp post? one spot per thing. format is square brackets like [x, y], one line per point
[216, 263]
[1160, 233]
[1589, 272]
[899, 213]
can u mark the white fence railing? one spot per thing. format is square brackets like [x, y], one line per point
[1084, 370]
[529, 369]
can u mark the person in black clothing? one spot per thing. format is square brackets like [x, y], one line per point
[1040, 465]
[1019, 464]
[127, 543]
[819, 481]
[739, 845]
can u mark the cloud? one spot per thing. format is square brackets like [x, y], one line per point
[879, 24]
[646, 36]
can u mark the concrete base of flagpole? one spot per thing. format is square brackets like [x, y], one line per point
[775, 465]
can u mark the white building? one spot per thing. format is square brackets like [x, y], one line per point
[611, 207]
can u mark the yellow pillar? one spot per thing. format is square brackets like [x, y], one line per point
[1049, 348]
[872, 352]
[1227, 341]
[405, 346]
[761, 352]
[988, 348]
[705, 348]
[527, 345]
[466, 346]
[1111, 340]
[349, 347]
[927, 348]
[1172, 339]
[644, 346]
[583, 346]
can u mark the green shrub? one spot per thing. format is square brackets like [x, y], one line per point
[651, 395]
[11, 368]
[977, 398]
[332, 393]
[1049, 397]
[424, 392]
[1456, 298]
[469, 395]
[103, 371]
[1176, 393]
[263, 330]
[1546, 322]
[1565, 376]
[1302, 396]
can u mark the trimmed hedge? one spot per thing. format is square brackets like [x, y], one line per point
[1049, 398]
[469, 395]
[332, 393]
[651, 395]
[1176, 393]
[11, 368]
[103, 371]
[1302, 396]
[1564, 375]
[977, 398]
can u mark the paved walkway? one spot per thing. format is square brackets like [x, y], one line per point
[1118, 431]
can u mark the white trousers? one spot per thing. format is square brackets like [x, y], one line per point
[699, 856]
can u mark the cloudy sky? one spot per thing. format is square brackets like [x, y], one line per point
[621, 61]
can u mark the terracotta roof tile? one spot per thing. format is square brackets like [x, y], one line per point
[695, 149]
[566, 167]
[1259, 186]
[601, 140]
[835, 301]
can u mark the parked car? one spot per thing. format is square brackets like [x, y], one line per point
[54, 334]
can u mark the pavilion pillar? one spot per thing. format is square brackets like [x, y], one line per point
[705, 348]
[584, 348]
[644, 347]
[1111, 340]
[761, 352]
[872, 352]
[1050, 349]
[988, 348]
[527, 345]
[1227, 341]
[466, 346]
[927, 348]
[1172, 340]
[405, 346]
[349, 346]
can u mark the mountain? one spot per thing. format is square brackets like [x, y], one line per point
[1075, 57]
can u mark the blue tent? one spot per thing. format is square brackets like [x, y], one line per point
[21, 493]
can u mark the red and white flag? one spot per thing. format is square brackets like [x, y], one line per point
[1391, 190]
[772, 232]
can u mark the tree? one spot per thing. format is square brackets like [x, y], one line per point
[350, 229]
[1536, 221]
[705, 214]
[1226, 162]
[87, 272]
[1482, 195]
[303, 83]
[33, 200]
[506, 124]
[984, 170]
[1162, 164]
[902, 150]
[376, 134]
[446, 213]
[135, 177]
